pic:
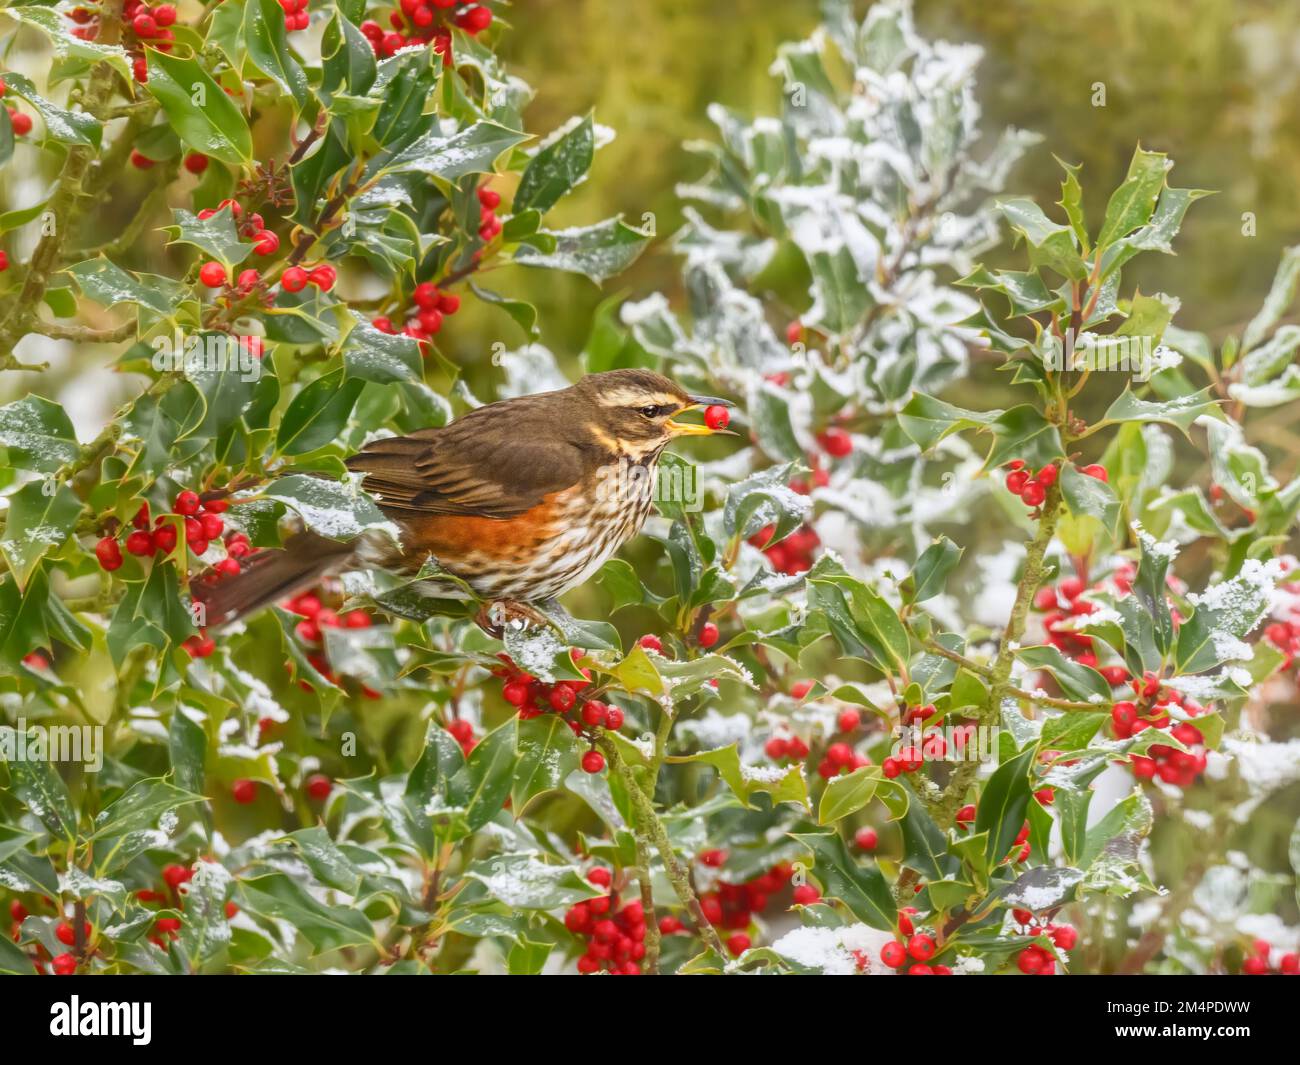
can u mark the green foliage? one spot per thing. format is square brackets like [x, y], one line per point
[363, 778]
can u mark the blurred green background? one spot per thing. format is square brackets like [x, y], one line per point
[1215, 83]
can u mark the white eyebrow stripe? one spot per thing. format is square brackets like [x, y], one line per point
[624, 397]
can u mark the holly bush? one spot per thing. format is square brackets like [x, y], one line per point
[895, 681]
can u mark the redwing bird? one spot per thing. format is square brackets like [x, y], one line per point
[521, 499]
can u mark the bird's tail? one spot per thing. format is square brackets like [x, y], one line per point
[271, 575]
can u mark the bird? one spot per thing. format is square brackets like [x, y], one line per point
[513, 503]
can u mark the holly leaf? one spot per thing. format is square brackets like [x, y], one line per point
[861, 888]
[41, 516]
[559, 165]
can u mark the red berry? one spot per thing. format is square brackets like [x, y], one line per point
[1047, 476]
[806, 894]
[475, 19]
[1096, 470]
[22, 123]
[1033, 494]
[1030, 961]
[794, 332]
[650, 642]
[1064, 936]
[294, 279]
[836, 443]
[593, 713]
[243, 791]
[168, 924]
[212, 274]
[17, 910]
[319, 786]
[195, 162]
[738, 944]
[1016, 481]
[144, 26]
[108, 553]
[801, 689]
[140, 543]
[613, 718]
[489, 198]
[140, 161]
[866, 839]
[849, 720]
[717, 417]
[593, 762]
[323, 276]
[175, 875]
[164, 14]
[63, 964]
[893, 954]
[708, 634]
[562, 700]
[921, 947]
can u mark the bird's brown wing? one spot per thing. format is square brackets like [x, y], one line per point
[493, 463]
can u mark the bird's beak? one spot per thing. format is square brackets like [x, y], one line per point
[677, 428]
[710, 401]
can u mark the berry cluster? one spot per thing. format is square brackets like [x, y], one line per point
[424, 23]
[1171, 765]
[1032, 487]
[615, 936]
[1257, 962]
[141, 24]
[794, 554]
[914, 953]
[203, 523]
[731, 907]
[840, 757]
[1036, 960]
[316, 617]
[295, 14]
[172, 897]
[431, 308]
[533, 698]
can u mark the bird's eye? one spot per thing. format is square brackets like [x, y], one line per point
[651, 412]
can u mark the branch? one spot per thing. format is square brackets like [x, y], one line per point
[84, 334]
[988, 674]
[1000, 673]
[648, 821]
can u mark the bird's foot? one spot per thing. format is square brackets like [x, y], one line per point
[495, 617]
